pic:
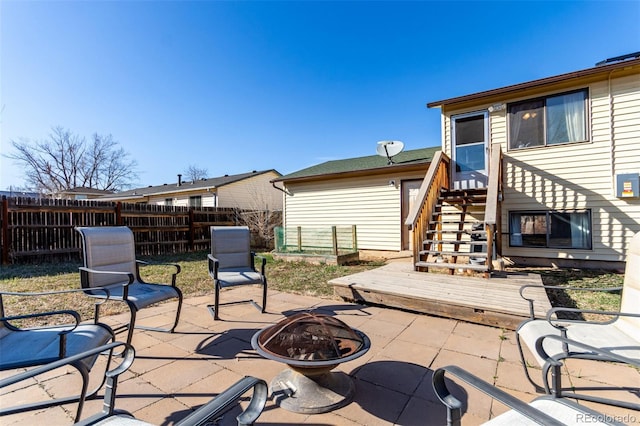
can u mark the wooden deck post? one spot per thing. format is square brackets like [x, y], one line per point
[354, 238]
[334, 240]
[118, 211]
[192, 230]
[299, 238]
[6, 240]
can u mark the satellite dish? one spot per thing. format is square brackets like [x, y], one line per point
[389, 149]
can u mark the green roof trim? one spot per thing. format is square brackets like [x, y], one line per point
[370, 162]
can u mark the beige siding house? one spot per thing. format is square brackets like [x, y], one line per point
[251, 191]
[365, 192]
[571, 160]
[82, 193]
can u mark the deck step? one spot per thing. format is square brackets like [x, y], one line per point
[465, 190]
[450, 211]
[469, 266]
[452, 222]
[455, 231]
[457, 201]
[454, 204]
[452, 253]
[457, 242]
[463, 204]
[450, 196]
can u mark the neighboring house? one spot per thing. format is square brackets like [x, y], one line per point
[365, 191]
[82, 193]
[79, 193]
[20, 193]
[570, 165]
[251, 190]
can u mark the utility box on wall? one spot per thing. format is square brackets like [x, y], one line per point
[628, 185]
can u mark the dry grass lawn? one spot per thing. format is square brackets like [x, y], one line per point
[194, 280]
[293, 277]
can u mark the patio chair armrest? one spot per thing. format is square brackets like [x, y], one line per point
[214, 265]
[84, 279]
[529, 300]
[454, 406]
[85, 271]
[146, 263]
[49, 293]
[33, 372]
[75, 315]
[614, 314]
[230, 397]
[559, 287]
[605, 354]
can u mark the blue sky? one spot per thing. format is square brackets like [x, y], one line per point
[238, 86]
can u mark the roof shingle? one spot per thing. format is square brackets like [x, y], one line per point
[370, 162]
[190, 185]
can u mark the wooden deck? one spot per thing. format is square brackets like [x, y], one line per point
[495, 301]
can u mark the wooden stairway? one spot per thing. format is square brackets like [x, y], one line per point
[456, 239]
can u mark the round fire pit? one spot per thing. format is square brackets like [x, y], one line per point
[311, 345]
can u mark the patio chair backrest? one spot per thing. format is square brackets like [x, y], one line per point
[108, 248]
[231, 245]
[631, 289]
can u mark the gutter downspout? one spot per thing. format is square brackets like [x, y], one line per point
[281, 189]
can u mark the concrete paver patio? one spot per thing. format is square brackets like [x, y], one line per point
[174, 373]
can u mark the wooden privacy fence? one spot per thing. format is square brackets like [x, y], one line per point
[37, 229]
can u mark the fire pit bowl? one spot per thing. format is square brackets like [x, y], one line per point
[311, 345]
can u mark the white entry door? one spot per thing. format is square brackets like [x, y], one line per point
[470, 149]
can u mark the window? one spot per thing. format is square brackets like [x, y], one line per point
[168, 201]
[550, 229]
[195, 201]
[549, 121]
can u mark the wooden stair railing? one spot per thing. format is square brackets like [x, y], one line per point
[437, 178]
[493, 212]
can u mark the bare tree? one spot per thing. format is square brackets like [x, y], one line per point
[66, 161]
[261, 223]
[258, 215]
[195, 173]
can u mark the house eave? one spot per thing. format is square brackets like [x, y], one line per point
[186, 187]
[548, 83]
[182, 191]
[121, 198]
[158, 194]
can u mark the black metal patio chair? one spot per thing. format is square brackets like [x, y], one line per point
[232, 263]
[553, 341]
[110, 262]
[204, 415]
[545, 410]
[64, 336]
